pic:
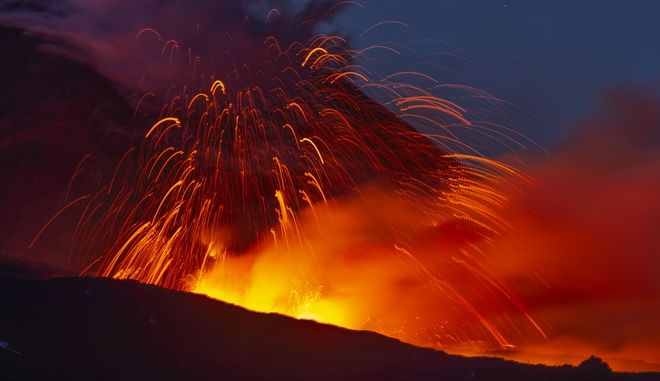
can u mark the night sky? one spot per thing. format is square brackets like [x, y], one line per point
[554, 59]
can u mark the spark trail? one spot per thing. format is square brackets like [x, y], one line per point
[281, 186]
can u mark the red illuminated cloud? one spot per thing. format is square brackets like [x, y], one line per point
[589, 233]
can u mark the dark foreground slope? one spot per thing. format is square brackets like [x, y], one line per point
[95, 329]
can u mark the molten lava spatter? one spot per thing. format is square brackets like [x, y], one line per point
[275, 183]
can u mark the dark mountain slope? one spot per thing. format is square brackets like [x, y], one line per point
[101, 329]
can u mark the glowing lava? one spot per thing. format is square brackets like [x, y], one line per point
[280, 186]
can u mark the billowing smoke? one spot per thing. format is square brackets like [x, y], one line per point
[587, 232]
[153, 45]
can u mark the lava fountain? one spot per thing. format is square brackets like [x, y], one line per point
[279, 185]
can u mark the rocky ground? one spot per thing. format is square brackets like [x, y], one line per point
[102, 329]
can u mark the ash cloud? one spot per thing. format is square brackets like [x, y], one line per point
[588, 234]
[221, 36]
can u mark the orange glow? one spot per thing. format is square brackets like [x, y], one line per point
[353, 268]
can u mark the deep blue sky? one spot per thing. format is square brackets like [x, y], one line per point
[553, 58]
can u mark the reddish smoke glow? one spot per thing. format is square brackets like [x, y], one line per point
[588, 233]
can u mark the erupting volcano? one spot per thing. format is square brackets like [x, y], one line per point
[280, 186]
[271, 164]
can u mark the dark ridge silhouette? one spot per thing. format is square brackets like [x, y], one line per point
[21, 268]
[595, 366]
[103, 329]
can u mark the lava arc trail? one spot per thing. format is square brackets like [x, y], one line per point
[279, 185]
